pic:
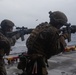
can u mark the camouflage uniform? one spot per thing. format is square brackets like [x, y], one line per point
[44, 42]
[4, 49]
[7, 26]
[6, 42]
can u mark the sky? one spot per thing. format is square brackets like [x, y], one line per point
[30, 13]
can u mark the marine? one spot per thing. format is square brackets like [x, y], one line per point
[44, 42]
[6, 42]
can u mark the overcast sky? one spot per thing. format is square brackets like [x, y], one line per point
[30, 13]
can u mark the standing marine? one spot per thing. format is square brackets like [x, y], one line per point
[6, 42]
[44, 42]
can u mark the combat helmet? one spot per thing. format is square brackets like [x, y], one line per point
[6, 23]
[58, 17]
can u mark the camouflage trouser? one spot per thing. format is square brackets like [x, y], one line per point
[36, 66]
[2, 67]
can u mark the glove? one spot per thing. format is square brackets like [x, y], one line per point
[62, 41]
[66, 35]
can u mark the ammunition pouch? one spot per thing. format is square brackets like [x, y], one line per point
[23, 59]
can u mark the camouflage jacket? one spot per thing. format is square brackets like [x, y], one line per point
[44, 40]
[4, 45]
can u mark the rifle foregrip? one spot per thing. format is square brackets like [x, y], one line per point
[22, 38]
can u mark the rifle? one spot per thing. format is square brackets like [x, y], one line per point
[69, 29]
[22, 30]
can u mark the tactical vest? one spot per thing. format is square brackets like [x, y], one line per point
[35, 34]
[37, 43]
